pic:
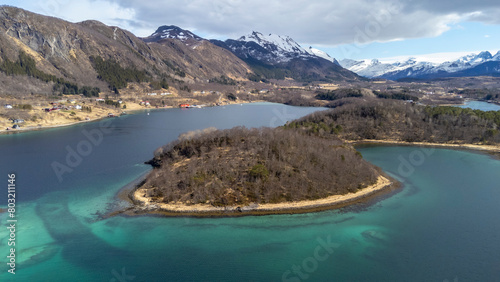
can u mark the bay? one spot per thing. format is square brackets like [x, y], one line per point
[440, 226]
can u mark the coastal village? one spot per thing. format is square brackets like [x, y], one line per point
[29, 114]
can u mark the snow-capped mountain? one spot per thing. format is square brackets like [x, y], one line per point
[322, 54]
[280, 46]
[367, 68]
[172, 32]
[280, 56]
[271, 48]
[415, 68]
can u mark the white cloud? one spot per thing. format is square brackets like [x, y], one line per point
[325, 23]
[76, 11]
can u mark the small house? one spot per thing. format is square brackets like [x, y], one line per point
[78, 107]
[16, 126]
[8, 106]
[18, 120]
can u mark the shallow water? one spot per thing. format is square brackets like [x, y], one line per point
[440, 226]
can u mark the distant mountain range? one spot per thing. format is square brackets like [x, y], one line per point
[482, 64]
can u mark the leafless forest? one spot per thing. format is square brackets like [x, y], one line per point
[240, 166]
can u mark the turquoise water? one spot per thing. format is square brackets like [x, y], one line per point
[440, 226]
[483, 106]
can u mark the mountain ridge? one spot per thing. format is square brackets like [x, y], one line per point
[413, 68]
[278, 57]
[63, 51]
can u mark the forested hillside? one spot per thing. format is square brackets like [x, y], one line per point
[394, 120]
[240, 166]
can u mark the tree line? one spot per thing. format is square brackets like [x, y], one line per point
[338, 94]
[115, 75]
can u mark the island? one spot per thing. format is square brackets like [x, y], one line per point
[244, 171]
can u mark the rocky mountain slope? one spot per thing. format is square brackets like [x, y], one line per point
[64, 50]
[62, 54]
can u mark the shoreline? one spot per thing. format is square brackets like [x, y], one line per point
[39, 128]
[476, 147]
[143, 205]
[130, 112]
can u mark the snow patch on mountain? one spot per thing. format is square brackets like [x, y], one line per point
[172, 32]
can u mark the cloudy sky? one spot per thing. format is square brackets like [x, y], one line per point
[356, 29]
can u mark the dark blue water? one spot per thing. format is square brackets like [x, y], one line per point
[442, 225]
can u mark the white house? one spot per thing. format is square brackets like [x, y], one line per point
[8, 106]
[78, 107]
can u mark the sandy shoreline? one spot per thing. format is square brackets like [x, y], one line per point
[143, 205]
[489, 148]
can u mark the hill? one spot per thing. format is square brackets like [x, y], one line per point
[241, 166]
